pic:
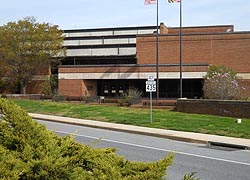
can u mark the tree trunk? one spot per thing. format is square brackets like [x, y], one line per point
[23, 87]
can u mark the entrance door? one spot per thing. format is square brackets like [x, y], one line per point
[111, 88]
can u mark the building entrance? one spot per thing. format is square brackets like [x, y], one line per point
[111, 88]
[169, 88]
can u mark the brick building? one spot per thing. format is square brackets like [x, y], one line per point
[107, 62]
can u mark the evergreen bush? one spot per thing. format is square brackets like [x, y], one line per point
[29, 151]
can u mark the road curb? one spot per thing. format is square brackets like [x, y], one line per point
[227, 145]
[177, 138]
[173, 135]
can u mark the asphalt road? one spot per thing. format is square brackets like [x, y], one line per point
[214, 163]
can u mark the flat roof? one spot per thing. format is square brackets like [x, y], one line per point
[139, 28]
[110, 29]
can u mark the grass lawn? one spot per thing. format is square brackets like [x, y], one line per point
[164, 119]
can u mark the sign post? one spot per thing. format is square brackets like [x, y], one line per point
[151, 87]
[151, 108]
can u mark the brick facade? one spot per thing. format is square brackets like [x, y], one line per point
[77, 87]
[230, 50]
[70, 87]
[202, 29]
[122, 69]
[246, 85]
[36, 87]
[202, 46]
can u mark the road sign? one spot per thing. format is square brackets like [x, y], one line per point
[150, 82]
[151, 77]
[150, 86]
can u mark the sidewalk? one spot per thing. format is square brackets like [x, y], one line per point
[170, 134]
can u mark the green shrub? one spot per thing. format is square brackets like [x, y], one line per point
[49, 86]
[132, 96]
[29, 151]
[190, 177]
[58, 98]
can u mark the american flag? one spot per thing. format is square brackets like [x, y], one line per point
[173, 1]
[148, 2]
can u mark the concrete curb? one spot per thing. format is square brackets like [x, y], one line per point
[234, 146]
[169, 134]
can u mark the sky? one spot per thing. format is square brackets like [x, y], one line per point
[87, 14]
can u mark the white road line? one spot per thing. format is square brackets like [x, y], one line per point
[157, 149]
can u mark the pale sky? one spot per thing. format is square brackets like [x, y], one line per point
[85, 14]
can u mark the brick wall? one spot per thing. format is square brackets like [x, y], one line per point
[246, 85]
[70, 87]
[120, 69]
[227, 49]
[90, 87]
[233, 53]
[201, 29]
[77, 88]
[238, 109]
[35, 87]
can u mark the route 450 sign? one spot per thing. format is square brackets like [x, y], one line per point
[151, 86]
